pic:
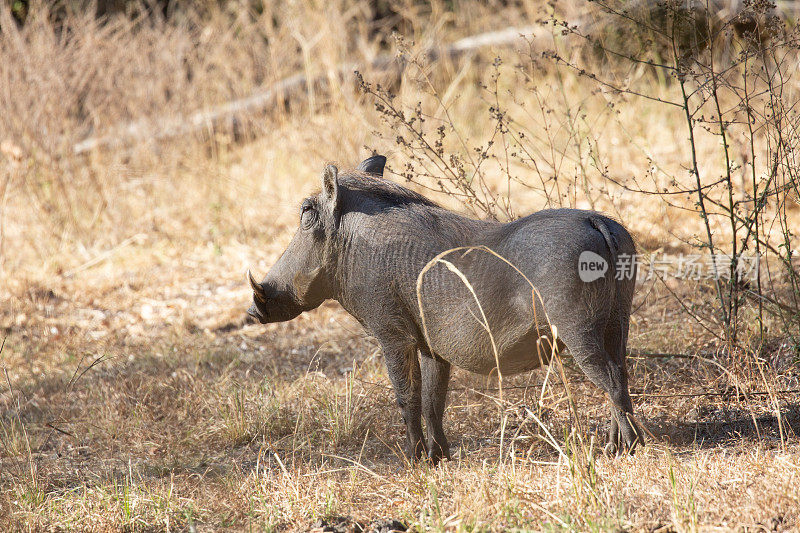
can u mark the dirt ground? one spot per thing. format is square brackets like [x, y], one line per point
[146, 399]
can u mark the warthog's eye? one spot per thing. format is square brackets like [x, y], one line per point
[308, 215]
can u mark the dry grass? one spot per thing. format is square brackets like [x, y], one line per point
[136, 396]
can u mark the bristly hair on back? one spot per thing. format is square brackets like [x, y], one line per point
[383, 189]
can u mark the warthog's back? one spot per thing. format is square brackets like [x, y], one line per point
[390, 242]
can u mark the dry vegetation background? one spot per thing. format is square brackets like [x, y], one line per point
[135, 395]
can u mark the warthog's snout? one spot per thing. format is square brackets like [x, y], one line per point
[271, 303]
[255, 313]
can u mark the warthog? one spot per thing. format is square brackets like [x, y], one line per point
[364, 241]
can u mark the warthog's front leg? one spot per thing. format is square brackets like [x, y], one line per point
[403, 366]
[435, 378]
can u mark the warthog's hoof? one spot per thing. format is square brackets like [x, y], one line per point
[415, 452]
[436, 458]
[438, 453]
[423, 453]
[623, 436]
[613, 449]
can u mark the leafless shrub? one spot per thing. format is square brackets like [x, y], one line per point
[728, 75]
[734, 82]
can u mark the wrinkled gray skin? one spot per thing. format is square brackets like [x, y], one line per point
[364, 240]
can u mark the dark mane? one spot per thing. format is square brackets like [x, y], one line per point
[382, 189]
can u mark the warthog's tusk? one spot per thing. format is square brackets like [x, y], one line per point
[258, 290]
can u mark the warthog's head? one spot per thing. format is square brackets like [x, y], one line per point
[304, 275]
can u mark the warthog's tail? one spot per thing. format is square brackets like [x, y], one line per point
[599, 224]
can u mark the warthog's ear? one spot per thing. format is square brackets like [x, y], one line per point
[373, 165]
[330, 187]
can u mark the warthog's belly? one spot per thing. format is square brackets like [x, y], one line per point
[517, 337]
[520, 354]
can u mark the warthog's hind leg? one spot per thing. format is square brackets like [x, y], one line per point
[607, 371]
[435, 378]
[623, 433]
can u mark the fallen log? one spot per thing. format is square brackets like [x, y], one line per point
[212, 118]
